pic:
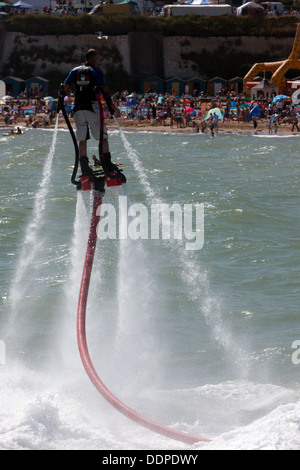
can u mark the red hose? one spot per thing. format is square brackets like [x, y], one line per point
[83, 348]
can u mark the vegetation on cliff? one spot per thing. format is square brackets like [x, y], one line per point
[200, 26]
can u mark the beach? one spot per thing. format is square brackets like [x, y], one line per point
[231, 126]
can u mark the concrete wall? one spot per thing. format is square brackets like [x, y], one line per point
[146, 53]
[2, 42]
[48, 53]
[140, 54]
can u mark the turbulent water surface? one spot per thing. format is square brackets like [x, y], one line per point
[205, 341]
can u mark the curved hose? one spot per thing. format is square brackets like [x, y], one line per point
[61, 106]
[101, 135]
[83, 348]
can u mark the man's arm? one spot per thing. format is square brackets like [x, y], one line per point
[107, 96]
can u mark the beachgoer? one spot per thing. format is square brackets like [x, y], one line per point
[295, 122]
[269, 122]
[89, 80]
[254, 123]
[212, 126]
[215, 120]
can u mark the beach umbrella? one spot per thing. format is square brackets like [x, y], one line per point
[188, 109]
[48, 98]
[7, 98]
[279, 98]
[213, 111]
[131, 102]
[254, 112]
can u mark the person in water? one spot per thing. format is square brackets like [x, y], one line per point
[89, 80]
[16, 131]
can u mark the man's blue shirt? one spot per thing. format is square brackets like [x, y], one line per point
[99, 76]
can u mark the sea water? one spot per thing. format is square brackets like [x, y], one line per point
[205, 341]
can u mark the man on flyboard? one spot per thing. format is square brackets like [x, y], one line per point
[89, 82]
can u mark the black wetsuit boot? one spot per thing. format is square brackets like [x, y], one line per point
[109, 168]
[86, 170]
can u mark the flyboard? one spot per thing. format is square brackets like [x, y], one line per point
[96, 184]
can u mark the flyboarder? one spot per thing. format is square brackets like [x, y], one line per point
[89, 82]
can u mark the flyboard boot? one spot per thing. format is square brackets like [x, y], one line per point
[113, 174]
[90, 179]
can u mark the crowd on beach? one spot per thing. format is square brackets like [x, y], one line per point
[65, 7]
[201, 113]
[188, 110]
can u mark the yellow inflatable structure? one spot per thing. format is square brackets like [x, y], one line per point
[278, 69]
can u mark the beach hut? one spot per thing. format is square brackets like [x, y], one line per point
[196, 86]
[215, 85]
[37, 86]
[175, 85]
[154, 84]
[14, 85]
[236, 84]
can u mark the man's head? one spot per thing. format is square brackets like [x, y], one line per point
[92, 57]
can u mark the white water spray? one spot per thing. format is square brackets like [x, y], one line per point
[32, 244]
[196, 280]
[71, 290]
[135, 306]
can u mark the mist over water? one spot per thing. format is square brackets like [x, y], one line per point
[200, 341]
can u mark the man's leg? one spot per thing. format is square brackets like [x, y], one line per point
[83, 148]
[109, 168]
[82, 134]
[84, 161]
[107, 165]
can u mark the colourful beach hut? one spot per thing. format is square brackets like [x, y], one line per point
[176, 85]
[14, 85]
[215, 85]
[196, 85]
[236, 84]
[37, 85]
[154, 84]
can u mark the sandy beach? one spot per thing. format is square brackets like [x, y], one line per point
[233, 127]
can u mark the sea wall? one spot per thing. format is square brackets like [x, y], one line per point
[139, 54]
[43, 54]
[2, 41]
